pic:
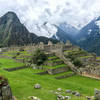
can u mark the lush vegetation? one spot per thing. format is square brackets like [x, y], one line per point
[77, 62]
[22, 83]
[38, 57]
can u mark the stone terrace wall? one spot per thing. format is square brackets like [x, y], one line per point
[58, 70]
[16, 68]
[92, 72]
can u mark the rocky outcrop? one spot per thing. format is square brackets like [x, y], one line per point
[5, 90]
[97, 94]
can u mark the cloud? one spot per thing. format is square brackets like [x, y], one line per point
[34, 13]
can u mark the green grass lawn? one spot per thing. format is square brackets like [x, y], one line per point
[22, 83]
[9, 63]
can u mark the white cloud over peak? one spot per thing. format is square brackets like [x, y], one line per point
[34, 13]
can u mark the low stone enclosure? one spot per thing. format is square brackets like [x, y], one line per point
[5, 90]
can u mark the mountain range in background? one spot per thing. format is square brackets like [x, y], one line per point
[12, 32]
[61, 32]
[66, 32]
[88, 37]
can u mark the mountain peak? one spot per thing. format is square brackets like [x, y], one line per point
[13, 32]
[9, 16]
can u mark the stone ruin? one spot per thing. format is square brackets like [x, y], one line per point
[5, 90]
[50, 47]
[68, 43]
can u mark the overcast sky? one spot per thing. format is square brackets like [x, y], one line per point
[33, 13]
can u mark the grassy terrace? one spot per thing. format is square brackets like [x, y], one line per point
[57, 66]
[98, 58]
[86, 57]
[52, 57]
[13, 53]
[73, 52]
[56, 60]
[61, 74]
[9, 63]
[22, 82]
[68, 51]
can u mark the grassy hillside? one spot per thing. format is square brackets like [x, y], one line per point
[22, 83]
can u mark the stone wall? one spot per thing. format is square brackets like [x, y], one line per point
[46, 47]
[57, 70]
[53, 63]
[93, 72]
[16, 68]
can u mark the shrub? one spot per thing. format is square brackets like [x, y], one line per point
[38, 57]
[77, 62]
[71, 56]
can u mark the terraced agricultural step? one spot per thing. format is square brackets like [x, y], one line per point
[52, 58]
[15, 68]
[50, 54]
[65, 75]
[58, 70]
[42, 73]
[76, 53]
[54, 62]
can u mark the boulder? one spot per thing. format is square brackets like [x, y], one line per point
[59, 89]
[60, 97]
[88, 98]
[6, 93]
[68, 91]
[97, 94]
[77, 94]
[34, 98]
[37, 86]
[67, 97]
[74, 92]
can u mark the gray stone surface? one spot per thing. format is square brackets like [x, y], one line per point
[68, 91]
[88, 98]
[67, 97]
[5, 93]
[59, 89]
[97, 94]
[77, 94]
[37, 86]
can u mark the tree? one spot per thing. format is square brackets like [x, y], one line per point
[77, 62]
[39, 57]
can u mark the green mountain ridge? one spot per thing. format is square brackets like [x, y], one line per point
[12, 32]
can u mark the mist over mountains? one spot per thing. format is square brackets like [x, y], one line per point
[13, 32]
[89, 36]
